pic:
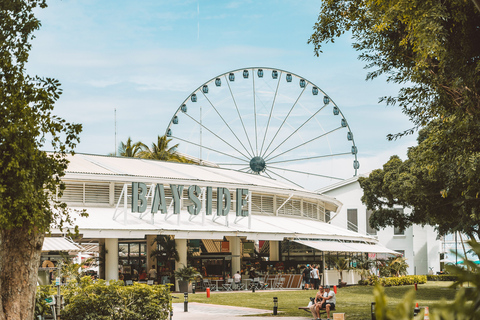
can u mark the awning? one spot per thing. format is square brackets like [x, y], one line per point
[337, 246]
[60, 244]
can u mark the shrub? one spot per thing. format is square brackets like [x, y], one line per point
[442, 277]
[402, 281]
[41, 306]
[393, 281]
[87, 300]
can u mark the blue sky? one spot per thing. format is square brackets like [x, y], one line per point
[144, 58]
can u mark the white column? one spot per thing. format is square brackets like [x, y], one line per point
[236, 248]
[274, 251]
[111, 259]
[182, 255]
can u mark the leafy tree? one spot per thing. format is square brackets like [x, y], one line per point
[162, 151]
[130, 149]
[441, 191]
[432, 48]
[29, 177]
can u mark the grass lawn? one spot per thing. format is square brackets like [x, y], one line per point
[354, 301]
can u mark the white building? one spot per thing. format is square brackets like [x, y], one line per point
[418, 244]
[130, 201]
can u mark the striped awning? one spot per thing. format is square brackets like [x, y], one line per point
[60, 244]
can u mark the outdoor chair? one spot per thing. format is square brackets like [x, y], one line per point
[238, 286]
[208, 284]
[228, 285]
[150, 282]
[128, 282]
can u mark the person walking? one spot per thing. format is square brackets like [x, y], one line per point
[315, 275]
[306, 276]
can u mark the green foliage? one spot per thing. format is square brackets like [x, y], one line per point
[187, 273]
[99, 300]
[465, 306]
[433, 49]
[393, 281]
[29, 177]
[162, 151]
[41, 305]
[130, 149]
[393, 267]
[441, 277]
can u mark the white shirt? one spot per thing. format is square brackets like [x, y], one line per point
[237, 277]
[314, 273]
[331, 297]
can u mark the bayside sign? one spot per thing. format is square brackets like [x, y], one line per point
[140, 195]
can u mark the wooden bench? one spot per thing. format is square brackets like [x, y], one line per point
[320, 312]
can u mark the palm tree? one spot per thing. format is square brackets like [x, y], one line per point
[161, 151]
[166, 249]
[130, 149]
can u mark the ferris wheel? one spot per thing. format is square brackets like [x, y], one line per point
[270, 122]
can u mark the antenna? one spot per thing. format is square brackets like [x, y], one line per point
[115, 118]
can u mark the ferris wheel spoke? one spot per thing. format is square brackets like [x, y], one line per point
[239, 115]
[306, 142]
[211, 149]
[296, 130]
[216, 110]
[284, 120]
[271, 171]
[316, 157]
[307, 173]
[255, 112]
[271, 112]
[217, 136]
[268, 174]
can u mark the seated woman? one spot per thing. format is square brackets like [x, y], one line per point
[317, 303]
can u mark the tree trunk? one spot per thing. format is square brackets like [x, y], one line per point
[19, 261]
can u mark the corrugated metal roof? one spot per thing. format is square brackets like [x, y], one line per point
[95, 167]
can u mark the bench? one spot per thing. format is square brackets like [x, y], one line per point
[321, 311]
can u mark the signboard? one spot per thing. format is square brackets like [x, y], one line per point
[248, 247]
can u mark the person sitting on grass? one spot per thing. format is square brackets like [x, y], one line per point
[317, 303]
[330, 300]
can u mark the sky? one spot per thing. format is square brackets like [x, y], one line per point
[143, 58]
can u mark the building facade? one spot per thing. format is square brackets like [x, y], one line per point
[219, 219]
[418, 244]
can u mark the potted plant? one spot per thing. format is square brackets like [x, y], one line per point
[185, 275]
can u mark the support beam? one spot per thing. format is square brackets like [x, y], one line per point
[274, 250]
[151, 261]
[182, 255]
[111, 259]
[236, 247]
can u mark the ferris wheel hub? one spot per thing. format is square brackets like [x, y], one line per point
[257, 164]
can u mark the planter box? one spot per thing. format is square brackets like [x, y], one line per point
[184, 286]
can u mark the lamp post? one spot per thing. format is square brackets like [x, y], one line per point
[275, 305]
[185, 302]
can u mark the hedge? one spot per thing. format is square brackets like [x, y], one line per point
[394, 281]
[442, 277]
[101, 300]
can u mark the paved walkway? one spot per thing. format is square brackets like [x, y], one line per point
[216, 312]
